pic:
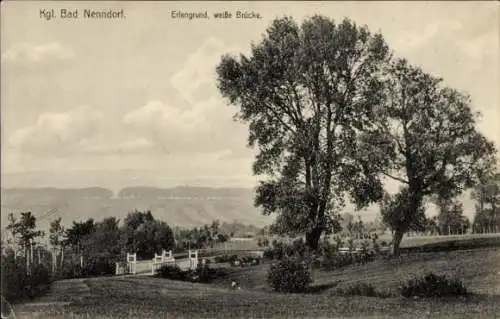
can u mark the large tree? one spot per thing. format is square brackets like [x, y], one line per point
[428, 131]
[306, 92]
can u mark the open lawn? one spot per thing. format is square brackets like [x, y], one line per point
[148, 297]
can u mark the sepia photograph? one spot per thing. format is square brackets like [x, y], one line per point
[260, 159]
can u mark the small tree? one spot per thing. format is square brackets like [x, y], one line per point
[487, 195]
[56, 234]
[145, 235]
[24, 230]
[451, 219]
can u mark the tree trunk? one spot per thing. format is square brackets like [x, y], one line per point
[312, 238]
[54, 261]
[398, 237]
[62, 259]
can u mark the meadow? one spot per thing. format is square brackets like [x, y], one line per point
[150, 297]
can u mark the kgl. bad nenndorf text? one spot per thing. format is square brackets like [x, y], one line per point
[71, 13]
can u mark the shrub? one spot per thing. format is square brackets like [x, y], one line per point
[350, 244]
[360, 289]
[205, 274]
[337, 260]
[14, 279]
[262, 242]
[363, 289]
[202, 274]
[16, 284]
[99, 267]
[289, 275]
[338, 242]
[432, 285]
[375, 243]
[268, 253]
[173, 272]
[225, 258]
[298, 248]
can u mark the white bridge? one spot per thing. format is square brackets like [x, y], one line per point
[134, 266]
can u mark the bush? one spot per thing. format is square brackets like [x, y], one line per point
[14, 278]
[72, 270]
[363, 289]
[360, 289]
[337, 260]
[432, 285]
[268, 253]
[298, 248]
[203, 273]
[280, 250]
[173, 272]
[225, 258]
[289, 275]
[16, 284]
[99, 267]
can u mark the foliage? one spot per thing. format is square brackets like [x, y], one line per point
[13, 277]
[225, 258]
[487, 195]
[74, 236]
[145, 235]
[428, 133]
[280, 250]
[307, 92]
[202, 274]
[98, 267]
[359, 289]
[24, 229]
[202, 237]
[16, 284]
[289, 275]
[104, 240]
[173, 272]
[432, 285]
[56, 240]
[262, 241]
[451, 219]
[338, 242]
[337, 260]
[56, 233]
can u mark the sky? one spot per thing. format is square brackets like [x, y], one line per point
[133, 101]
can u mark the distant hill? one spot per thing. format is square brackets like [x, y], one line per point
[179, 206]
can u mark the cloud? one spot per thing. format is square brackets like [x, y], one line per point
[197, 76]
[411, 40]
[158, 116]
[200, 129]
[31, 53]
[481, 46]
[98, 146]
[56, 133]
[450, 35]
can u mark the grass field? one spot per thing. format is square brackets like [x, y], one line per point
[148, 297]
